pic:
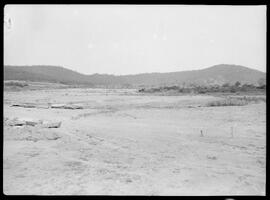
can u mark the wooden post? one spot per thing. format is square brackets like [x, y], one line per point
[201, 133]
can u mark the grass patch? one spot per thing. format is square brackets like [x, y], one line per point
[252, 99]
[227, 102]
[16, 83]
[237, 101]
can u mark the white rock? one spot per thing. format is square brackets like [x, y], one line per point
[47, 124]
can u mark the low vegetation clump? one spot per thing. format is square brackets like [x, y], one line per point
[227, 102]
[225, 88]
[16, 84]
[252, 99]
[236, 101]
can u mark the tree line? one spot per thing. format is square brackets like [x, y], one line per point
[225, 88]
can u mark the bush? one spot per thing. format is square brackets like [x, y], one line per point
[233, 90]
[227, 102]
[237, 101]
[170, 88]
[201, 91]
[226, 88]
[17, 84]
[155, 90]
[252, 99]
[226, 85]
[237, 84]
[261, 87]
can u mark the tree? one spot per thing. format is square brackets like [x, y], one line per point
[226, 85]
[237, 84]
[184, 84]
[262, 81]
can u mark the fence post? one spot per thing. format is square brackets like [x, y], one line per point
[201, 133]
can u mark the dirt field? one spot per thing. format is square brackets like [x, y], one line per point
[123, 143]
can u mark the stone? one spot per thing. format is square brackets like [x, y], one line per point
[47, 124]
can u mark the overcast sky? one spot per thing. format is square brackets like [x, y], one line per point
[121, 39]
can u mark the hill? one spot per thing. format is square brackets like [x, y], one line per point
[43, 73]
[218, 74]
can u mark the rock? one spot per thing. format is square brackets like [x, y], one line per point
[51, 136]
[43, 106]
[26, 105]
[211, 157]
[74, 107]
[57, 105]
[30, 122]
[30, 105]
[47, 124]
[23, 121]
[65, 106]
[16, 122]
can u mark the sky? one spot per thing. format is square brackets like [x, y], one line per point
[132, 39]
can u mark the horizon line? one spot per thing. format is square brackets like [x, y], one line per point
[40, 65]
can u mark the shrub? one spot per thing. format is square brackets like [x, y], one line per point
[262, 81]
[201, 91]
[233, 90]
[170, 88]
[156, 89]
[237, 101]
[17, 84]
[226, 85]
[252, 99]
[237, 84]
[227, 102]
[181, 90]
[261, 87]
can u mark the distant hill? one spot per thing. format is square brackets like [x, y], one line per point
[43, 73]
[218, 74]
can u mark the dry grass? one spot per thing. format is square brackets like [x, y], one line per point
[237, 101]
[227, 102]
[16, 83]
[252, 99]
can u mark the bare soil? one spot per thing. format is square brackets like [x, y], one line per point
[123, 143]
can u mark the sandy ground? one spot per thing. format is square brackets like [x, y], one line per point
[123, 143]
